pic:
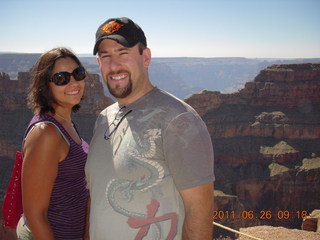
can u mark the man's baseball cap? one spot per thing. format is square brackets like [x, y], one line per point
[123, 30]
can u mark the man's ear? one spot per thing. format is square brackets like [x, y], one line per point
[147, 57]
[98, 60]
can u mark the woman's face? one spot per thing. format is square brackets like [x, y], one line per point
[68, 95]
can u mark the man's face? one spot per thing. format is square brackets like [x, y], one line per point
[124, 70]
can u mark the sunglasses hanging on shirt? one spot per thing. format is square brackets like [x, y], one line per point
[115, 124]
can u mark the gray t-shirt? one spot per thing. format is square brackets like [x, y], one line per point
[140, 157]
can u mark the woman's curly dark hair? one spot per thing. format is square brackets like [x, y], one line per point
[40, 97]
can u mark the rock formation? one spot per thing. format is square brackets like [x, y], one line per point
[312, 222]
[266, 140]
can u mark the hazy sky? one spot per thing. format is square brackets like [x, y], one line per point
[174, 28]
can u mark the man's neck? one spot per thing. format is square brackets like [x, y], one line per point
[131, 99]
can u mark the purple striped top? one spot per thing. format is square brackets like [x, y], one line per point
[68, 203]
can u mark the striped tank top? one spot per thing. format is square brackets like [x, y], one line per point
[68, 203]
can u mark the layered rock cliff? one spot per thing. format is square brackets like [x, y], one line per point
[266, 139]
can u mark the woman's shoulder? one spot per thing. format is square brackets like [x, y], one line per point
[44, 133]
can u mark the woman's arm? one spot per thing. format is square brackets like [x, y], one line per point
[44, 148]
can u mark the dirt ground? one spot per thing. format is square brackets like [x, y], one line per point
[277, 233]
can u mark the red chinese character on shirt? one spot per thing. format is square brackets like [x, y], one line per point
[145, 223]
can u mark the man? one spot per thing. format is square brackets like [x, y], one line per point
[150, 165]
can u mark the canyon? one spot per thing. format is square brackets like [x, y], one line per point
[266, 140]
[265, 136]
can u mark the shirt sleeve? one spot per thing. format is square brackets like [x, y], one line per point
[188, 151]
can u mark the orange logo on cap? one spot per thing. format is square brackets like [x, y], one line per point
[111, 27]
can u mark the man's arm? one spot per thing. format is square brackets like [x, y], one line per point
[198, 203]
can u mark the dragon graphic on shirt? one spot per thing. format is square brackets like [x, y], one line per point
[128, 187]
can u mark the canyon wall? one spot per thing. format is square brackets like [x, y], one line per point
[266, 139]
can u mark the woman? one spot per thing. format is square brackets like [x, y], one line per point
[54, 193]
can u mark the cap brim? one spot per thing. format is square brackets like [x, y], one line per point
[118, 38]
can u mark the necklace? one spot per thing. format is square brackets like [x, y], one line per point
[66, 119]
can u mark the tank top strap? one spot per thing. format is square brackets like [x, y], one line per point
[47, 118]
